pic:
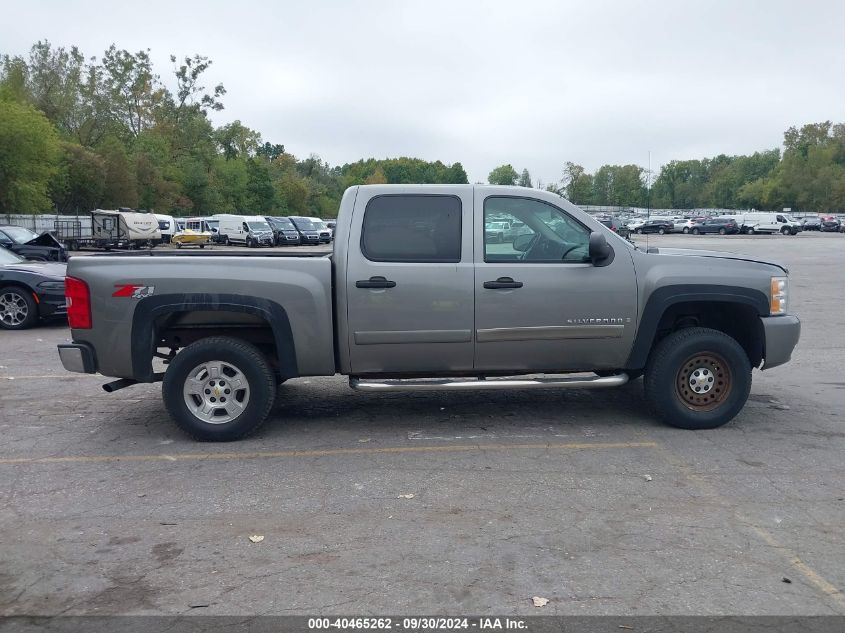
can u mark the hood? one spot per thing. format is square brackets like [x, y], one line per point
[45, 239]
[48, 269]
[689, 252]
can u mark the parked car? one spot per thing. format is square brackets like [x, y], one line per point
[657, 226]
[410, 296]
[496, 231]
[323, 229]
[309, 233]
[831, 226]
[812, 224]
[248, 230]
[284, 232]
[685, 226]
[616, 225]
[722, 226]
[30, 245]
[766, 222]
[635, 223]
[29, 291]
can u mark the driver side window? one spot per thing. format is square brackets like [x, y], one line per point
[526, 230]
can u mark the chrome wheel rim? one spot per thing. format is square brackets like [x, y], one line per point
[216, 392]
[704, 381]
[13, 309]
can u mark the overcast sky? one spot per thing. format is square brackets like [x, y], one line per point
[533, 84]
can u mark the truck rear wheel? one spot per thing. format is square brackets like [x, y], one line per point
[698, 378]
[219, 389]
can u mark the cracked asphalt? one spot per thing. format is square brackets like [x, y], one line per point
[580, 497]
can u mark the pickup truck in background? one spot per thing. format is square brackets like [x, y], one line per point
[416, 296]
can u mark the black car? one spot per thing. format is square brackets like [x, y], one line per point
[309, 232]
[284, 231]
[722, 226]
[30, 245]
[812, 224]
[29, 291]
[830, 226]
[656, 226]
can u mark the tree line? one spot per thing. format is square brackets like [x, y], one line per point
[808, 175]
[79, 133]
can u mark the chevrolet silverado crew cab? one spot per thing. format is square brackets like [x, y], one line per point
[417, 296]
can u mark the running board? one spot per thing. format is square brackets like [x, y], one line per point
[463, 384]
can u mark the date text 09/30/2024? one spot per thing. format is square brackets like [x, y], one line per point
[416, 623]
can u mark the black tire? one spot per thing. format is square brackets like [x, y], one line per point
[246, 358]
[12, 319]
[784, 230]
[638, 231]
[178, 244]
[202, 245]
[226, 241]
[672, 367]
[695, 231]
[661, 231]
[686, 229]
[723, 232]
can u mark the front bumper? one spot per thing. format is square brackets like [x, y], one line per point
[781, 334]
[77, 357]
[52, 306]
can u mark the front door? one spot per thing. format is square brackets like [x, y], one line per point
[409, 282]
[541, 305]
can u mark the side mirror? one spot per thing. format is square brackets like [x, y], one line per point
[522, 242]
[600, 250]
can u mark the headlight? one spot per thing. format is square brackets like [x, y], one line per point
[52, 285]
[778, 295]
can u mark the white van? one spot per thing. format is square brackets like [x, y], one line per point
[250, 230]
[761, 222]
[167, 226]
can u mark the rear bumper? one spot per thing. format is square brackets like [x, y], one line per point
[781, 336]
[77, 357]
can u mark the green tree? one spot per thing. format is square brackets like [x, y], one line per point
[577, 184]
[29, 158]
[503, 175]
[81, 180]
[120, 189]
[524, 179]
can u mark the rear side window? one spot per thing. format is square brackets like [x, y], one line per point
[412, 228]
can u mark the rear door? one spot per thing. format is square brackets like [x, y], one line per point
[541, 305]
[409, 281]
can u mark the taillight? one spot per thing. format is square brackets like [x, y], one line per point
[78, 304]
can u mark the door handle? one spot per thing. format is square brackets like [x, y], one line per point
[375, 282]
[502, 282]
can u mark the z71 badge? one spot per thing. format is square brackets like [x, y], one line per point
[133, 291]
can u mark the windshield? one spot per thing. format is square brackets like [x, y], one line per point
[258, 226]
[305, 225]
[283, 223]
[19, 234]
[8, 257]
[213, 224]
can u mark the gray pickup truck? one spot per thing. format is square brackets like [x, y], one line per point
[416, 296]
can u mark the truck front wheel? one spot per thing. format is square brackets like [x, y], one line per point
[219, 389]
[698, 378]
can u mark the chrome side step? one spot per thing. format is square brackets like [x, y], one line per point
[464, 384]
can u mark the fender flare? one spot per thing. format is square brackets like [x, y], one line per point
[663, 298]
[147, 310]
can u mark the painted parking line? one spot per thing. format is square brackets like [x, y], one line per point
[811, 575]
[329, 452]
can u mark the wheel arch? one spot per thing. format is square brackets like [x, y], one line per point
[154, 315]
[733, 310]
